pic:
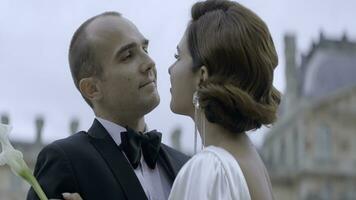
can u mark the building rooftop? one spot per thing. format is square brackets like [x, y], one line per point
[330, 65]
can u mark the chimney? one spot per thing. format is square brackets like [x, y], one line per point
[321, 36]
[344, 37]
[291, 73]
[74, 124]
[176, 138]
[5, 119]
[39, 129]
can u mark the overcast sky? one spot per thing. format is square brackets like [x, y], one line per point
[35, 35]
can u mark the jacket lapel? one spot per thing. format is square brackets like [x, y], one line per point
[116, 161]
[168, 163]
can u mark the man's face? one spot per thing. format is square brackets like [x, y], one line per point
[128, 82]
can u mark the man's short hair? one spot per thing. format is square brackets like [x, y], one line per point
[82, 59]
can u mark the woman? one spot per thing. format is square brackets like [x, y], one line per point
[225, 64]
[225, 61]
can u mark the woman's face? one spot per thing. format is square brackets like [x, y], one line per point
[183, 80]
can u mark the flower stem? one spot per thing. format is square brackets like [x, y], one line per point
[36, 186]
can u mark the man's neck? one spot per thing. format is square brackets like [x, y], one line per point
[136, 123]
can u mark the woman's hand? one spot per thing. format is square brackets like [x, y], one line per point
[71, 196]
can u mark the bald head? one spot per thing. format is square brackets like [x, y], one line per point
[82, 56]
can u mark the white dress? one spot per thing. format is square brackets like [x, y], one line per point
[212, 174]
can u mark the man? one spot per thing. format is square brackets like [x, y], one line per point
[111, 68]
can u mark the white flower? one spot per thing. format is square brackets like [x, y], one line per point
[9, 155]
[14, 158]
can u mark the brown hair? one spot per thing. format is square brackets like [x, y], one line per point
[236, 47]
[82, 60]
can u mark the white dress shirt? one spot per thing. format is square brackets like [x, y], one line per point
[155, 182]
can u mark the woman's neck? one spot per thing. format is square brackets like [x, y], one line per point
[217, 135]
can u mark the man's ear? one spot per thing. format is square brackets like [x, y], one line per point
[90, 88]
[202, 75]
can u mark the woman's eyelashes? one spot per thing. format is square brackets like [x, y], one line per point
[176, 56]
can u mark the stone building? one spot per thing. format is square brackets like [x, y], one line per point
[11, 186]
[310, 151]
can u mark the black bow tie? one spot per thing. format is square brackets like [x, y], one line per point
[132, 143]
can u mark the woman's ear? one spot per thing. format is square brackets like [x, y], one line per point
[202, 75]
[90, 89]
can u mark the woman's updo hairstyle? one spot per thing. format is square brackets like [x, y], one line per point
[236, 47]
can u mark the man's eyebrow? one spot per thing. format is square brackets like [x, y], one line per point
[130, 46]
[125, 47]
[178, 49]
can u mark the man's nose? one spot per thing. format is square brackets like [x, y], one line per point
[149, 64]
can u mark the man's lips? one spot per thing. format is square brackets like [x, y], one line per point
[147, 83]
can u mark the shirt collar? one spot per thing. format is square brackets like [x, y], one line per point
[114, 129]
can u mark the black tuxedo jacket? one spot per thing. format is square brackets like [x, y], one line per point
[93, 165]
